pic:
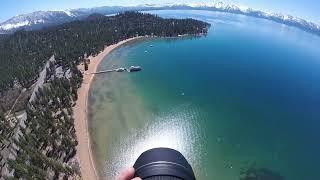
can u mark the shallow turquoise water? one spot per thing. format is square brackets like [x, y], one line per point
[247, 93]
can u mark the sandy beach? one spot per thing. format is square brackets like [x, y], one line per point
[84, 154]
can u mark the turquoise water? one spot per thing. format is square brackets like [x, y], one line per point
[246, 94]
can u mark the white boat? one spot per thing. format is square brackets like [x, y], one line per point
[134, 68]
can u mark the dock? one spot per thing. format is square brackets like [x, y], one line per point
[100, 72]
[129, 69]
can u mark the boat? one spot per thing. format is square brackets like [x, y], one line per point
[145, 51]
[151, 45]
[134, 68]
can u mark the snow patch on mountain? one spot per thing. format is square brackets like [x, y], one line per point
[69, 13]
[14, 25]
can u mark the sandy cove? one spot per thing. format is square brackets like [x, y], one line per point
[84, 153]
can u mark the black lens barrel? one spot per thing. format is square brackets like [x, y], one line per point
[163, 164]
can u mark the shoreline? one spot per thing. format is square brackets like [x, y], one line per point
[84, 152]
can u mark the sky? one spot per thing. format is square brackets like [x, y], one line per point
[307, 9]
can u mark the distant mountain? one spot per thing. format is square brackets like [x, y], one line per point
[277, 17]
[41, 19]
[37, 20]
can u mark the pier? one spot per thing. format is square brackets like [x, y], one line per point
[130, 69]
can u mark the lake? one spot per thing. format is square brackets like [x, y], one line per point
[245, 96]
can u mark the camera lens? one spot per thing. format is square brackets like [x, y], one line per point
[163, 164]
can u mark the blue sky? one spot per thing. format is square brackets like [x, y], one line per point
[308, 9]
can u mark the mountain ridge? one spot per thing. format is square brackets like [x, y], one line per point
[40, 19]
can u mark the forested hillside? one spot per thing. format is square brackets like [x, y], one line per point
[24, 53]
[41, 143]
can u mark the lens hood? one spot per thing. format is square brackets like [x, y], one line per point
[164, 164]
